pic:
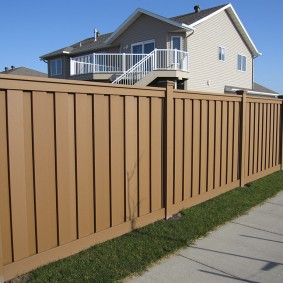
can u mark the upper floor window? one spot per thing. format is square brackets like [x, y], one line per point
[56, 67]
[176, 42]
[221, 54]
[144, 47]
[242, 63]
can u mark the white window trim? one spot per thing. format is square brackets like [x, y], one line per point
[220, 48]
[181, 41]
[142, 43]
[56, 73]
[241, 70]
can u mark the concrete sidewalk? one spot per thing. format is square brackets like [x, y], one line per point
[248, 249]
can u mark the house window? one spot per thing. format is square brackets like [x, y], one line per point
[143, 47]
[56, 67]
[221, 54]
[242, 63]
[176, 42]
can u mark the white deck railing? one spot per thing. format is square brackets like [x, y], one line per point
[104, 63]
[158, 59]
[132, 67]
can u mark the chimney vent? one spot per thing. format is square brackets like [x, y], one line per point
[197, 8]
[96, 34]
[6, 69]
[13, 67]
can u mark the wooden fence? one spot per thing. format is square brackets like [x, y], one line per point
[81, 163]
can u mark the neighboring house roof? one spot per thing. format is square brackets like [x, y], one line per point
[186, 22]
[23, 71]
[260, 88]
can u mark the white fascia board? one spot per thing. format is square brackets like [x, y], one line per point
[232, 13]
[135, 15]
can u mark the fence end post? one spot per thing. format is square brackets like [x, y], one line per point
[168, 147]
[281, 129]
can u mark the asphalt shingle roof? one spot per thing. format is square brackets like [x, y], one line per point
[191, 18]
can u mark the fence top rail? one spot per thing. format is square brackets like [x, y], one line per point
[13, 82]
[271, 100]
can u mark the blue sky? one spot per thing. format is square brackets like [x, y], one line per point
[32, 28]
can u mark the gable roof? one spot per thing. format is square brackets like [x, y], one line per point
[23, 71]
[260, 88]
[186, 22]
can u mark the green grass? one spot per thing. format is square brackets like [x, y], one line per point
[134, 252]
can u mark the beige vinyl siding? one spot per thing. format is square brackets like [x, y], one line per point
[207, 73]
[143, 29]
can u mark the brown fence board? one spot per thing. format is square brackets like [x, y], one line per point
[236, 150]
[264, 133]
[247, 142]
[217, 144]
[187, 148]
[131, 138]
[117, 160]
[144, 156]
[178, 151]
[230, 141]
[224, 141]
[260, 132]
[84, 162]
[102, 174]
[156, 153]
[29, 176]
[256, 139]
[211, 145]
[203, 147]
[44, 166]
[66, 173]
[196, 148]
[6, 244]
[268, 144]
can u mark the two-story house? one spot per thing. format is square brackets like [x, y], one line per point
[206, 50]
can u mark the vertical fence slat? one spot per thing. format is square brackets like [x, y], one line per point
[29, 171]
[204, 143]
[251, 146]
[263, 166]
[230, 142]
[217, 145]
[224, 144]
[246, 145]
[256, 138]
[187, 149]
[260, 126]
[168, 148]
[196, 148]
[18, 174]
[271, 136]
[5, 228]
[211, 149]
[44, 158]
[156, 153]
[178, 144]
[244, 134]
[268, 131]
[279, 119]
[236, 148]
[144, 156]
[84, 151]
[117, 159]
[131, 158]
[102, 174]
[65, 154]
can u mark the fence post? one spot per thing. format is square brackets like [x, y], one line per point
[168, 149]
[281, 129]
[1, 257]
[243, 137]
